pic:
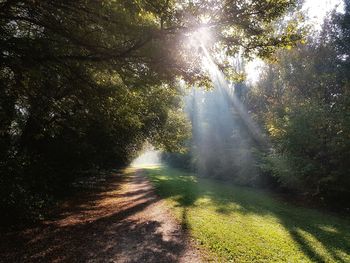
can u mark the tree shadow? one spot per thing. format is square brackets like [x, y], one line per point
[303, 224]
[108, 237]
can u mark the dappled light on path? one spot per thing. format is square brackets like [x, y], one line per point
[121, 221]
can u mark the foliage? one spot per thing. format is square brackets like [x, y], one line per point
[303, 102]
[182, 160]
[245, 225]
[85, 83]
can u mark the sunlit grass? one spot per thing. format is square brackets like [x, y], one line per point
[245, 225]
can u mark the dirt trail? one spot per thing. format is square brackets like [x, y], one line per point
[123, 221]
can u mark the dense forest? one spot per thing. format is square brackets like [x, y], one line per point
[85, 84]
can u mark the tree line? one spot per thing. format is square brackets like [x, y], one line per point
[303, 103]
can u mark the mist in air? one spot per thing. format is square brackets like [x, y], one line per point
[149, 157]
[224, 135]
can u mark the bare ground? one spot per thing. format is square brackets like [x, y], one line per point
[122, 221]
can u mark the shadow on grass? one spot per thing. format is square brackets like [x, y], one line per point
[302, 224]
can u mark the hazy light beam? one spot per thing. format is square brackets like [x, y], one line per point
[218, 78]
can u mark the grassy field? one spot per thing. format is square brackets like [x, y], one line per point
[246, 225]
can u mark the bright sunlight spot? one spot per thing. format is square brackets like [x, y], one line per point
[318, 9]
[200, 37]
[148, 158]
[253, 70]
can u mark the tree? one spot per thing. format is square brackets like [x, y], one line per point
[302, 101]
[85, 83]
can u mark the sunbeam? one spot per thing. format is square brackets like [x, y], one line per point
[228, 90]
[223, 132]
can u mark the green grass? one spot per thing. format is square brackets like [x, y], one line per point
[247, 225]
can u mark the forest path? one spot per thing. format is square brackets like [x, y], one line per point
[122, 221]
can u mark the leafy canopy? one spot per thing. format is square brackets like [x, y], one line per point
[85, 83]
